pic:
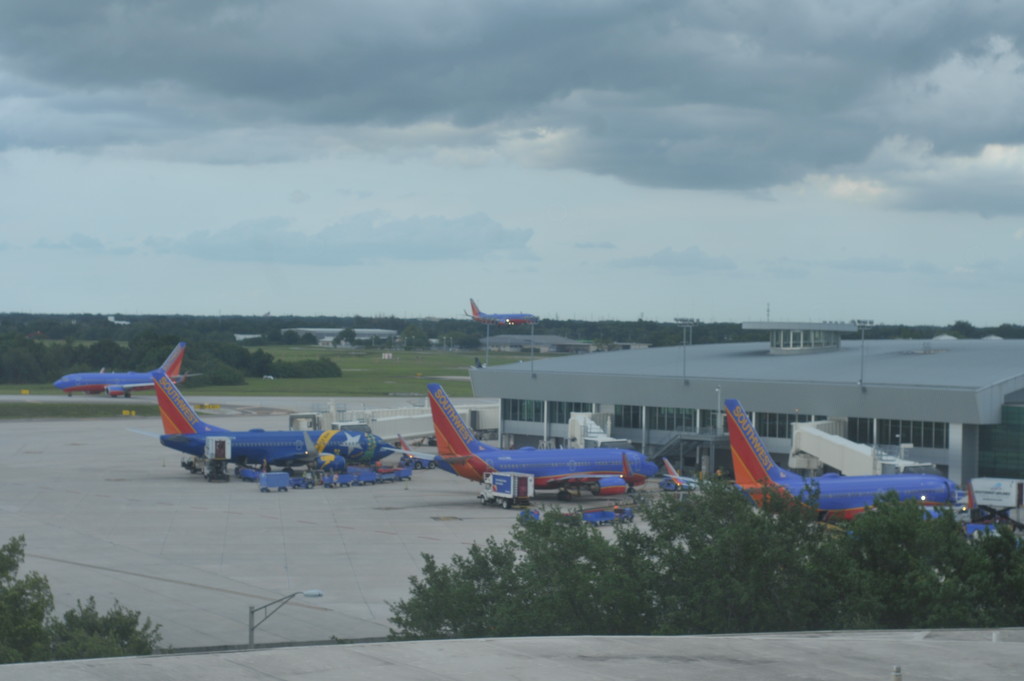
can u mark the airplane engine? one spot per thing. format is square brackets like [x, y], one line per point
[114, 390]
[609, 486]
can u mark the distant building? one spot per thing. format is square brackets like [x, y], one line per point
[521, 342]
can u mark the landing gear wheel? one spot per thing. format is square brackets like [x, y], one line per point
[564, 495]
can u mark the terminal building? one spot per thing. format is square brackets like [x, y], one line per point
[955, 406]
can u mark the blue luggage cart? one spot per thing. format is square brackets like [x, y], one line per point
[278, 481]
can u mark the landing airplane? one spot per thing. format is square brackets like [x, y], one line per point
[326, 449]
[839, 497]
[506, 319]
[673, 482]
[122, 383]
[603, 470]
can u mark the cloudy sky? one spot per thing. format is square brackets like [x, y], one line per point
[585, 159]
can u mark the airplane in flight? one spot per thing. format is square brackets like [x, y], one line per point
[116, 384]
[603, 470]
[504, 319]
[673, 482]
[840, 497]
[325, 449]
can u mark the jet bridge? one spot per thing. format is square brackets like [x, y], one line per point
[817, 442]
[585, 431]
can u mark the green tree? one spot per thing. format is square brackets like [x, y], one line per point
[85, 633]
[345, 336]
[414, 338]
[25, 603]
[913, 570]
[29, 632]
[729, 566]
[712, 562]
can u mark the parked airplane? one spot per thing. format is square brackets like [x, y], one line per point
[508, 319]
[327, 449]
[121, 383]
[673, 482]
[839, 496]
[602, 470]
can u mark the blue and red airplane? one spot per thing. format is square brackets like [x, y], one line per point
[603, 470]
[840, 497]
[673, 482]
[325, 449]
[116, 384]
[503, 319]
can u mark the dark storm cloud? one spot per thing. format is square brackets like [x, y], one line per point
[704, 94]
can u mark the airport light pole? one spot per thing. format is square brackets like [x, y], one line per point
[280, 603]
[718, 410]
[687, 323]
[862, 324]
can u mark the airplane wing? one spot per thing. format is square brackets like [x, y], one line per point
[422, 456]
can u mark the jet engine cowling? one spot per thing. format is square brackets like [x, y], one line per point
[609, 486]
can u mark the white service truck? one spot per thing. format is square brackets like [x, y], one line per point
[507, 489]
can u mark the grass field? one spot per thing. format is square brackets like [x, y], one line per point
[364, 373]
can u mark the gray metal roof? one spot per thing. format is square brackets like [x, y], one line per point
[971, 364]
[964, 381]
[936, 655]
[537, 339]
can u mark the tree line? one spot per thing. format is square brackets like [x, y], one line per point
[213, 361]
[713, 563]
[38, 348]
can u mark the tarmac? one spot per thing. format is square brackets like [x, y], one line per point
[108, 512]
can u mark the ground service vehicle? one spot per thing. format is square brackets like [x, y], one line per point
[507, 489]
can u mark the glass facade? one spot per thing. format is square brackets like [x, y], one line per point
[523, 410]
[803, 339]
[933, 434]
[670, 418]
[558, 412]
[1001, 448]
[778, 425]
[628, 416]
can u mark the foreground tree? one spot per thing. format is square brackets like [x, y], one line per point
[25, 603]
[712, 562]
[84, 632]
[29, 632]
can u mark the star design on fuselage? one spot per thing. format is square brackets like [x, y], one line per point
[353, 442]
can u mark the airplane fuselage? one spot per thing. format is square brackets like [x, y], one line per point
[99, 382]
[335, 448]
[841, 497]
[846, 496]
[555, 468]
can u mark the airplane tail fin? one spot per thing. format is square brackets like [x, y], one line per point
[456, 444]
[177, 414]
[453, 435]
[474, 308]
[172, 365]
[751, 462]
